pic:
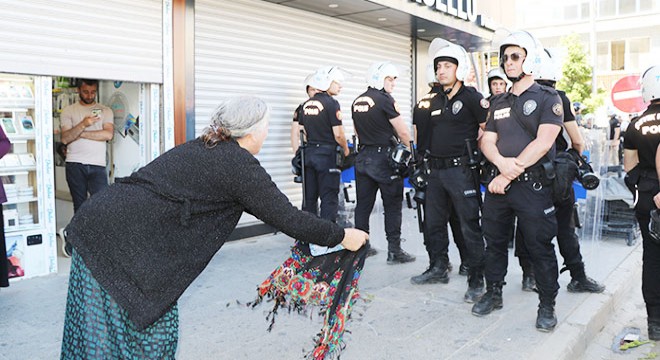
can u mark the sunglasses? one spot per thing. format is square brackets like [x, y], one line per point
[514, 57]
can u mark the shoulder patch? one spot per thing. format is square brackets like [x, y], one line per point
[484, 103]
[396, 107]
[339, 115]
[557, 109]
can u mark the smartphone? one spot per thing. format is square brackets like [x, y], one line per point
[97, 112]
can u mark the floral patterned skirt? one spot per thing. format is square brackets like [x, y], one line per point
[329, 281]
[96, 327]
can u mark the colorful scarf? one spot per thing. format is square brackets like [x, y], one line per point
[329, 281]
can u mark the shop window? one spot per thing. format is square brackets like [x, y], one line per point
[646, 5]
[638, 53]
[571, 12]
[627, 6]
[618, 50]
[584, 10]
[602, 51]
[606, 8]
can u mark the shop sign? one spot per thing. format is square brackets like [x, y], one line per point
[462, 9]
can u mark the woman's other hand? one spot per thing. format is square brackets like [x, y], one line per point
[354, 239]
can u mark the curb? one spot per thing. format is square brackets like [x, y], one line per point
[572, 337]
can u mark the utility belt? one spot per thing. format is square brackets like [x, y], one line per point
[447, 162]
[376, 148]
[535, 174]
[321, 146]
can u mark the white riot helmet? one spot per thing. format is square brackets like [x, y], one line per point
[497, 73]
[550, 69]
[378, 72]
[431, 79]
[441, 48]
[650, 81]
[532, 46]
[323, 77]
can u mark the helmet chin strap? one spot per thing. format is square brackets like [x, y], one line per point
[448, 90]
[517, 78]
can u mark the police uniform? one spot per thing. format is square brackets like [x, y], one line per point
[318, 116]
[643, 135]
[529, 196]
[451, 182]
[567, 240]
[422, 122]
[372, 112]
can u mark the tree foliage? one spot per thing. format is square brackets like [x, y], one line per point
[576, 80]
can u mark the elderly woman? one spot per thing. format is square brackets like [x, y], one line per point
[140, 243]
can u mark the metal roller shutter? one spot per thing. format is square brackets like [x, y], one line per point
[115, 40]
[264, 49]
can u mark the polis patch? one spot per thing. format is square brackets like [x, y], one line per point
[557, 109]
[339, 115]
[529, 106]
[456, 107]
[484, 103]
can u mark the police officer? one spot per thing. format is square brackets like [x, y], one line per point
[497, 82]
[567, 240]
[457, 114]
[377, 120]
[422, 130]
[295, 127]
[520, 133]
[639, 154]
[321, 122]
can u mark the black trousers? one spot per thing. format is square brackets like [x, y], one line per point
[322, 181]
[651, 255]
[567, 239]
[538, 223]
[447, 188]
[373, 173]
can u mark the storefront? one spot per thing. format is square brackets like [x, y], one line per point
[45, 47]
[262, 48]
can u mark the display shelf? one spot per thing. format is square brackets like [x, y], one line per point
[16, 170]
[15, 201]
[21, 137]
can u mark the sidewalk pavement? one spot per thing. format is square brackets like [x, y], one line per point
[401, 320]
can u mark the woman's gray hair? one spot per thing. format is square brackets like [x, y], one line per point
[236, 117]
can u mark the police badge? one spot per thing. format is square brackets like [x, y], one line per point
[557, 109]
[458, 105]
[529, 107]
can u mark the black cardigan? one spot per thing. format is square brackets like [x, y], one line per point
[147, 237]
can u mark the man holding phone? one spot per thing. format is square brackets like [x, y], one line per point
[86, 127]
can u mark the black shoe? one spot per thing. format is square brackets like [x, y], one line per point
[371, 251]
[475, 289]
[433, 275]
[528, 283]
[654, 330]
[399, 257]
[586, 284]
[546, 320]
[491, 300]
[450, 267]
[67, 249]
[464, 269]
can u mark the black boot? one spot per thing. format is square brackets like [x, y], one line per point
[653, 313]
[399, 257]
[475, 287]
[546, 320]
[580, 282]
[464, 269]
[371, 251]
[528, 282]
[491, 300]
[436, 273]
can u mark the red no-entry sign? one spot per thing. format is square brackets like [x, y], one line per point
[627, 95]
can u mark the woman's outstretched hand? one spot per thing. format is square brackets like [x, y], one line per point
[354, 239]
